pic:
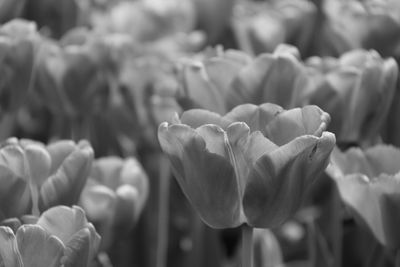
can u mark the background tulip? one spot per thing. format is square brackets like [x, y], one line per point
[368, 182]
[114, 196]
[61, 236]
[241, 158]
[356, 90]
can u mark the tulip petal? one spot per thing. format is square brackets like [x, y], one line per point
[39, 162]
[59, 151]
[9, 253]
[197, 117]
[38, 248]
[383, 159]
[203, 176]
[65, 186]
[98, 201]
[77, 250]
[127, 209]
[309, 120]
[13, 157]
[107, 171]
[63, 222]
[201, 89]
[277, 182]
[15, 198]
[256, 117]
[372, 203]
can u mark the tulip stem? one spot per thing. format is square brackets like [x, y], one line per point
[163, 212]
[247, 246]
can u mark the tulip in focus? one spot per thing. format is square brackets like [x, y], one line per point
[369, 184]
[61, 237]
[114, 196]
[252, 165]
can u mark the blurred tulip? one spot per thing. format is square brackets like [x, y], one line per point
[10, 9]
[267, 251]
[356, 90]
[37, 177]
[54, 18]
[263, 26]
[369, 184]
[149, 20]
[115, 193]
[252, 165]
[366, 24]
[61, 237]
[276, 78]
[205, 84]
[18, 40]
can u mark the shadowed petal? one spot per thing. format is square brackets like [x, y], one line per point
[77, 250]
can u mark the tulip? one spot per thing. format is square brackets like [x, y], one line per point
[37, 177]
[61, 237]
[115, 195]
[205, 84]
[368, 182]
[18, 39]
[356, 90]
[143, 20]
[275, 78]
[252, 165]
[362, 24]
[261, 27]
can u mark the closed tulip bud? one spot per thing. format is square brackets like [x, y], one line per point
[61, 237]
[252, 165]
[115, 195]
[356, 90]
[369, 184]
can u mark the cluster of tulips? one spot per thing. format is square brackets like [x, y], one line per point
[277, 120]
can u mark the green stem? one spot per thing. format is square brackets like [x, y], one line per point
[163, 211]
[247, 246]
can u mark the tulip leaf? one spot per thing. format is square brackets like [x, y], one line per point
[9, 253]
[38, 248]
